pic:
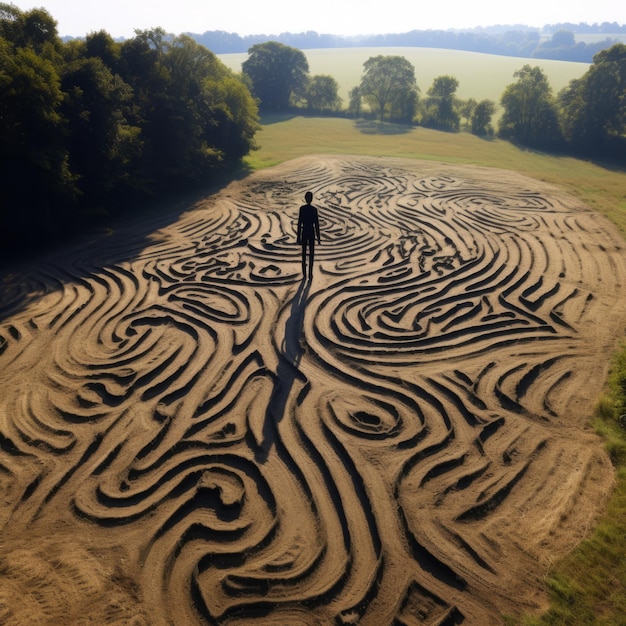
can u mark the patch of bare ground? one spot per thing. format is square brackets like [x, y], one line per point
[191, 433]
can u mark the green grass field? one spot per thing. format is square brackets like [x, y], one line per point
[589, 586]
[480, 76]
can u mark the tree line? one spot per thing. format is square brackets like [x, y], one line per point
[507, 41]
[586, 118]
[99, 125]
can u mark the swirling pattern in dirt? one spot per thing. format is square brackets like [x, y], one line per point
[400, 440]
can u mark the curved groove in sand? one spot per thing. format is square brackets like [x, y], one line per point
[398, 441]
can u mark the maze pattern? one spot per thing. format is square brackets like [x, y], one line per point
[376, 446]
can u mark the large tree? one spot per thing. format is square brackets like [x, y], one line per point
[530, 113]
[34, 168]
[354, 101]
[389, 87]
[466, 108]
[208, 106]
[440, 108]
[593, 107]
[278, 74]
[103, 146]
[195, 114]
[97, 123]
[35, 29]
[321, 93]
[481, 118]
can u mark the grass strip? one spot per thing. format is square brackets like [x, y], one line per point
[588, 587]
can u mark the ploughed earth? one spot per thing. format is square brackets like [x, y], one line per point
[190, 433]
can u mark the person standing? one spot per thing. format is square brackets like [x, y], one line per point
[308, 232]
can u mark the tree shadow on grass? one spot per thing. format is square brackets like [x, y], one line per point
[269, 118]
[608, 161]
[374, 127]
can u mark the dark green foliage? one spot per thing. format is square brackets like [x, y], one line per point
[34, 29]
[466, 109]
[389, 87]
[278, 74]
[103, 146]
[593, 108]
[321, 94]
[587, 118]
[440, 109]
[354, 104]
[481, 118]
[530, 114]
[33, 153]
[100, 124]
[102, 46]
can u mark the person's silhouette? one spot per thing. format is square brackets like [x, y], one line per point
[308, 231]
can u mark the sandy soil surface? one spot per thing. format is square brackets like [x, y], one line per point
[192, 434]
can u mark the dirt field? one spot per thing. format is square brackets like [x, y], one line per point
[192, 434]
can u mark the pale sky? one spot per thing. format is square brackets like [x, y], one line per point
[252, 17]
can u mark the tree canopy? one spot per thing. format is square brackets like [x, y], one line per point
[441, 111]
[389, 87]
[321, 93]
[99, 123]
[278, 74]
[530, 113]
[593, 108]
[481, 118]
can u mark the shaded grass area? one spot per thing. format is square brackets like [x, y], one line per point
[588, 587]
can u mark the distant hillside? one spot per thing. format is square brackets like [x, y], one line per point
[564, 42]
[480, 76]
